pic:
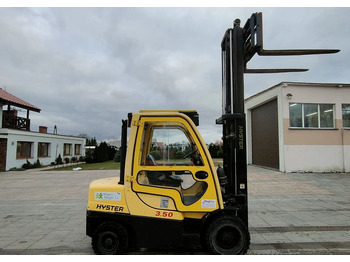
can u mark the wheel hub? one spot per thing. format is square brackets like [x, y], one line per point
[109, 241]
[227, 238]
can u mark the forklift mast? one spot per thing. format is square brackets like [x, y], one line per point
[238, 46]
[233, 121]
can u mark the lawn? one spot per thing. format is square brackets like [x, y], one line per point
[217, 161]
[108, 165]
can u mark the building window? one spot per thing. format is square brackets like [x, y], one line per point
[24, 149]
[311, 115]
[43, 149]
[326, 116]
[67, 149]
[77, 150]
[295, 115]
[346, 115]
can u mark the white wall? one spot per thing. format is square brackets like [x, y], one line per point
[346, 158]
[316, 150]
[56, 146]
[314, 158]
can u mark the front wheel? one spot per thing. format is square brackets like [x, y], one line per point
[110, 239]
[227, 236]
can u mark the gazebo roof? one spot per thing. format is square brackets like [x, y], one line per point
[8, 99]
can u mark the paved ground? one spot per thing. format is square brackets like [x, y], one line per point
[43, 212]
[299, 213]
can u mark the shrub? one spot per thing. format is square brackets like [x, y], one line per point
[27, 165]
[37, 164]
[156, 155]
[59, 160]
[179, 154]
[16, 169]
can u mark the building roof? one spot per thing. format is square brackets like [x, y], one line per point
[338, 85]
[8, 99]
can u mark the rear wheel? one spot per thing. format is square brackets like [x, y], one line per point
[227, 236]
[110, 239]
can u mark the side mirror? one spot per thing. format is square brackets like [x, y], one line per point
[201, 175]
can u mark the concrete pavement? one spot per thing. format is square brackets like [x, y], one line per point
[43, 212]
[299, 213]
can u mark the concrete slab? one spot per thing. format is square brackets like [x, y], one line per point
[43, 212]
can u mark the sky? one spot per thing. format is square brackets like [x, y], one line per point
[86, 68]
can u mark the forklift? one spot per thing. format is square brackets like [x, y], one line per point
[170, 194]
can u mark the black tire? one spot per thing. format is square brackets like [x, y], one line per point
[110, 239]
[227, 235]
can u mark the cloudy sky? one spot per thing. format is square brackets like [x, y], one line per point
[86, 68]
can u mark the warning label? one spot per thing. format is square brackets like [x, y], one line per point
[113, 196]
[208, 203]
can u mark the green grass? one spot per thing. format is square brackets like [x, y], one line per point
[108, 165]
[217, 161]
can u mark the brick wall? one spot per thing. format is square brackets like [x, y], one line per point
[3, 149]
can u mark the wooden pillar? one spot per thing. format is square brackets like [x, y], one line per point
[1, 114]
[28, 121]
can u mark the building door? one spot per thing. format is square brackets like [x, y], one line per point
[265, 143]
[3, 153]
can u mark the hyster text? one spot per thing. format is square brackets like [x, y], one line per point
[110, 207]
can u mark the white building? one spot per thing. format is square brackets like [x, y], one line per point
[300, 127]
[18, 144]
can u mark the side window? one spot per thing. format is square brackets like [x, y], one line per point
[168, 145]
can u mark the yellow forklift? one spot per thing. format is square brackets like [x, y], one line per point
[169, 193]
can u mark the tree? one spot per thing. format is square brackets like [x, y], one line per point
[179, 154]
[89, 156]
[215, 150]
[91, 142]
[101, 152]
[117, 155]
[112, 150]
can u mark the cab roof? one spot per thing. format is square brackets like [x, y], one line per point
[192, 114]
